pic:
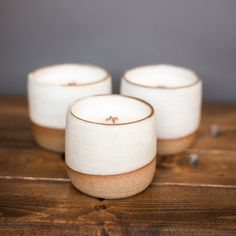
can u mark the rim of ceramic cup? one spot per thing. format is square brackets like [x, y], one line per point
[198, 78]
[151, 113]
[106, 76]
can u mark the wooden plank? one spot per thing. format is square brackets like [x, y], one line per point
[43, 205]
[32, 205]
[31, 162]
[14, 123]
[224, 117]
[211, 168]
[216, 168]
[180, 208]
[51, 229]
[184, 199]
[223, 114]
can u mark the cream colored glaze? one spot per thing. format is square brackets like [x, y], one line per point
[109, 149]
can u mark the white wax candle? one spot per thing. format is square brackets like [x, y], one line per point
[69, 74]
[51, 89]
[113, 110]
[175, 93]
[161, 76]
[96, 146]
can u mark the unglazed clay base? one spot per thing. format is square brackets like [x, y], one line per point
[174, 146]
[51, 139]
[114, 186]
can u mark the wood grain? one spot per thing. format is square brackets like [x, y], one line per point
[212, 168]
[36, 197]
[26, 204]
[31, 162]
[224, 116]
[14, 123]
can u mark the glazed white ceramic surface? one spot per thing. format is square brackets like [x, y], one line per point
[174, 92]
[99, 147]
[51, 89]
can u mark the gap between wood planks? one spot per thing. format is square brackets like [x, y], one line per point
[66, 180]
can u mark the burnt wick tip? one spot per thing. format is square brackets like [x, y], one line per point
[112, 118]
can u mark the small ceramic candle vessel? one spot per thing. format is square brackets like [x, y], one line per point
[50, 91]
[175, 93]
[110, 145]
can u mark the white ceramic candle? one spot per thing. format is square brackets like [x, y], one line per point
[110, 145]
[176, 94]
[50, 91]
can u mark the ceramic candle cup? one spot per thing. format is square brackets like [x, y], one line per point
[110, 145]
[50, 91]
[175, 93]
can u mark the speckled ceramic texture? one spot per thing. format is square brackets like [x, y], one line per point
[51, 139]
[176, 95]
[114, 186]
[100, 151]
[52, 89]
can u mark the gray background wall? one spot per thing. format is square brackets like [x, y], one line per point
[118, 34]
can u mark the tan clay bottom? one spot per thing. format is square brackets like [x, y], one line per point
[169, 147]
[51, 139]
[114, 186]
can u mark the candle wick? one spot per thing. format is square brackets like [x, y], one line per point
[112, 118]
[161, 87]
[71, 83]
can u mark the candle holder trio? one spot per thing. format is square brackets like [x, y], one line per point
[111, 141]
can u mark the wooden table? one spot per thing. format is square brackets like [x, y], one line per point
[36, 196]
